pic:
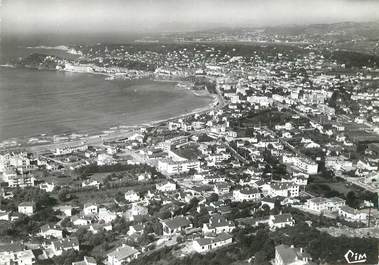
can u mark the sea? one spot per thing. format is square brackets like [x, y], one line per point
[35, 102]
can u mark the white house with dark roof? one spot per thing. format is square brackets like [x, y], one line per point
[246, 194]
[202, 245]
[281, 221]
[48, 231]
[59, 246]
[122, 255]
[218, 224]
[289, 255]
[175, 225]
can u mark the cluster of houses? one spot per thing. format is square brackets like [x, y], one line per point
[210, 154]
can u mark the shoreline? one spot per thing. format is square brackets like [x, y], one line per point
[46, 142]
[114, 133]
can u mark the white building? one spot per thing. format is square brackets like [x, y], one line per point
[321, 204]
[65, 209]
[166, 186]
[170, 167]
[339, 163]
[122, 255]
[48, 187]
[14, 160]
[218, 224]
[202, 245]
[69, 149]
[304, 164]
[289, 255]
[132, 196]
[90, 209]
[91, 184]
[16, 256]
[59, 246]
[281, 221]
[351, 214]
[175, 225]
[27, 208]
[284, 189]
[15, 180]
[47, 231]
[246, 194]
[106, 215]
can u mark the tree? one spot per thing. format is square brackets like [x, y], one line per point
[68, 257]
[266, 209]
[120, 225]
[261, 258]
[66, 222]
[213, 197]
[352, 200]
[64, 195]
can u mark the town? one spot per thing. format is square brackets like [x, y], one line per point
[281, 169]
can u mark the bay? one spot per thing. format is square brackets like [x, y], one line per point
[51, 102]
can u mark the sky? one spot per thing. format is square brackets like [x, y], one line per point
[131, 16]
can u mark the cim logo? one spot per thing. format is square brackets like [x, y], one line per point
[353, 258]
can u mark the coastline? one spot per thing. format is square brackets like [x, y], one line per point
[117, 131]
[113, 133]
[46, 142]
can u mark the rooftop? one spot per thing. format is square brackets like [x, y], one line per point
[123, 252]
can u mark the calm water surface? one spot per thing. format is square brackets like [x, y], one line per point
[35, 102]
